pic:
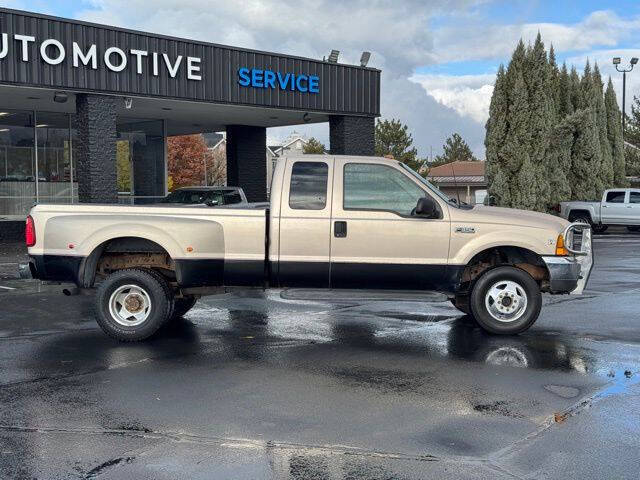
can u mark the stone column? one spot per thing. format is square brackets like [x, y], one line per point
[352, 135]
[247, 160]
[95, 148]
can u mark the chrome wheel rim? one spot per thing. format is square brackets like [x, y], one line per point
[129, 305]
[506, 301]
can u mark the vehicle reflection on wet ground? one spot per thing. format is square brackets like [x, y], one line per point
[308, 385]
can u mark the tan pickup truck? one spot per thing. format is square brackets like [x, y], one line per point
[334, 222]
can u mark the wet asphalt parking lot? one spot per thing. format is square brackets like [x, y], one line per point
[310, 385]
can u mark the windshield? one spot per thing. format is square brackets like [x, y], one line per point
[427, 184]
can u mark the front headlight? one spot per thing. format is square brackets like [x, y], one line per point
[569, 240]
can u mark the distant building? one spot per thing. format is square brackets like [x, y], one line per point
[464, 180]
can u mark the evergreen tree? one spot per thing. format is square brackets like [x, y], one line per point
[632, 126]
[497, 126]
[541, 121]
[614, 135]
[565, 103]
[313, 146]
[605, 175]
[455, 149]
[553, 135]
[585, 155]
[592, 182]
[561, 144]
[392, 138]
[526, 195]
[577, 97]
[554, 82]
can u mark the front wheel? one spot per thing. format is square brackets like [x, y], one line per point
[132, 304]
[506, 300]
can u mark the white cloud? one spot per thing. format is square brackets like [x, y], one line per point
[470, 40]
[607, 69]
[397, 34]
[469, 95]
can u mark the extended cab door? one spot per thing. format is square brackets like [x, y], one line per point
[375, 242]
[614, 208]
[305, 223]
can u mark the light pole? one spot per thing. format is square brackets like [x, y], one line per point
[616, 62]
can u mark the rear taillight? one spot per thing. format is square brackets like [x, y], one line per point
[30, 232]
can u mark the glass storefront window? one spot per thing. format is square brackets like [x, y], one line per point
[46, 174]
[54, 158]
[141, 162]
[17, 167]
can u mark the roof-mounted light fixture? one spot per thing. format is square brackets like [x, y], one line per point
[333, 56]
[364, 59]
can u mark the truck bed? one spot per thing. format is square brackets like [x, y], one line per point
[195, 238]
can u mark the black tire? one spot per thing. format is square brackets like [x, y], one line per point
[580, 218]
[461, 302]
[634, 228]
[599, 228]
[149, 283]
[182, 306]
[521, 321]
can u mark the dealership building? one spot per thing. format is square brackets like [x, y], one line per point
[86, 109]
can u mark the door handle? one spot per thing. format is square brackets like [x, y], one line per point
[340, 229]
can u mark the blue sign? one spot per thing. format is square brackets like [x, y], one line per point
[258, 78]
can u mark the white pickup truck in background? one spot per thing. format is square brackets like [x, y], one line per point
[619, 206]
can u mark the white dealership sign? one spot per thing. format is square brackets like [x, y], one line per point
[53, 52]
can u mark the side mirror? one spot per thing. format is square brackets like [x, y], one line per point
[427, 208]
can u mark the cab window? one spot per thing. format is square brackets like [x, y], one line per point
[370, 186]
[616, 197]
[634, 197]
[308, 188]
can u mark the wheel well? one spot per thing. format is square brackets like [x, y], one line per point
[126, 252]
[573, 214]
[518, 257]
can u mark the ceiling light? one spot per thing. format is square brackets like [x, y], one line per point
[41, 125]
[60, 97]
[4, 114]
[4, 129]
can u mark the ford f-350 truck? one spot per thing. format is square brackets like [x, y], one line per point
[338, 222]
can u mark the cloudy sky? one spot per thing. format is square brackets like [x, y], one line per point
[438, 58]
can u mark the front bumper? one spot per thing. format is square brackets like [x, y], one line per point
[570, 274]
